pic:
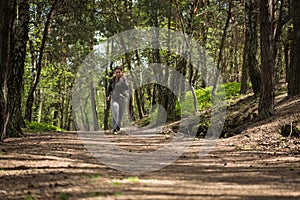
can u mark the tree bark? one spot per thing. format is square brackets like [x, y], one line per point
[279, 23]
[250, 49]
[138, 103]
[4, 48]
[220, 56]
[92, 88]
[266, 102]
[294, 70]
[138, 93]
[108, 73]
[18, 45]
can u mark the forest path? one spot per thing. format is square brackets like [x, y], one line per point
[58, 166]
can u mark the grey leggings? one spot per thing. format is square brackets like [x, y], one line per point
[118, 108]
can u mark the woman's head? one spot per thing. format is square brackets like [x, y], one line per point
[118, 71]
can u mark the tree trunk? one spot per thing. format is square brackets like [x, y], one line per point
[279, 24]
[138, 103]
[69, 119]
[169, 99]
[92, 88]
[250, 64]
[222, 44]
[294, 71]
[287, 53]
[4, 48]
[266, 102]
[57, 104]
[18, 43]
[138, 93]
[40, 105]
[93, 102]
[159, 92]
[107, 108]
[245, 76]
[110, 50]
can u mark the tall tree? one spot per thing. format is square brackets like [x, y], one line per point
[250, 49]
[266, 102]
[18, 42]
[5, 15]
[294, 70]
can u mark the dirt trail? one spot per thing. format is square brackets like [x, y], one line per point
[57, 166]
[258, 163]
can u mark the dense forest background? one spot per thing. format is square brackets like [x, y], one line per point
[254, 43]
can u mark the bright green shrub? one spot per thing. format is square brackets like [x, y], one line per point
[41, 127]
[232, 90]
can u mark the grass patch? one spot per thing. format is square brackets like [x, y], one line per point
[41, 127]
[94, 176]
[29, 197]
[232, 90]
[132, 179]
[116, 183]
[63, 196]
[117, 194]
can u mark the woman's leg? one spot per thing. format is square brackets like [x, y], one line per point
[122, 105]
[115, 114]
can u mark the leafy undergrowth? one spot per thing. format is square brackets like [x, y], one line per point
[204, 102]
[233, 100]
[34, 127]
[242, 114]
[204, 98]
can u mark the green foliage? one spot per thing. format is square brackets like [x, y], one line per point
[232, 91]
[29, 197]
[202, 128]
[118, 194]
[82, 24]
[203, 101]
[94, 175]
[41, 127]
[63, 196]
[132, 179]
[116, 183]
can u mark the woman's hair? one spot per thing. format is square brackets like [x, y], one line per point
[118, 67]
